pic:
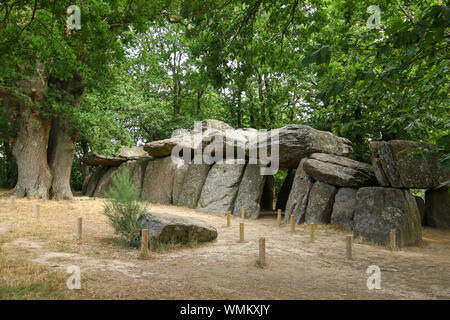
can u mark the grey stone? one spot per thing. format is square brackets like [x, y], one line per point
[299, 141]
[105, 182]
[86, 183]
[320, 203]
[193, 185]
[133, 152]
[250, 192]
[93, 182]
[397, 166]
[437, 203]
[339, 171]
[299, 195]
[378, 210]
[344, 207]
[164, 227]
[220, 188]
[158, 181]
[95, 159]
[180, 174]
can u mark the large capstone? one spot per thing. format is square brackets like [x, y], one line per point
[250, 192]
[178, 181]
[95, 159]
[158, 181]
[298, 141]
[193, 185]
[320, 203]
[344, 207]
[175, 229]
[407, 164]
[220, 188]
[339, 171]
[379, 210]
[437, 204]
[299, 195]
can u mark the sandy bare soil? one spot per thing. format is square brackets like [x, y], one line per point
[224, 269]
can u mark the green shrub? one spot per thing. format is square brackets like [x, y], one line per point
[123, 209]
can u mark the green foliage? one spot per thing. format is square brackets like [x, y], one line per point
[123, 209]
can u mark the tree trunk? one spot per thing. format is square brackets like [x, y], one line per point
[61, 150]
[262, 102]
[30, 150]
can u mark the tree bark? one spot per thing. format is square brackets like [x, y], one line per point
[30, 150]
[61, 149]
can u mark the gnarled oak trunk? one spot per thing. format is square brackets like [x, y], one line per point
[30, 150]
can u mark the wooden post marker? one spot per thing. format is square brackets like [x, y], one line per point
[349, 247]
[241, 232]
[262, 252]
[312, 227]
[79, 228]
[274, 204]
[144, 254]
[279, 217]
[292, 223]
[393, 244]
[36, 211]
[12, 203]
[228, 218]
[242, 212]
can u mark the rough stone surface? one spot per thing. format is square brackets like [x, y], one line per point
[180, 174]
[339, 171]
[422, 212]
[299, 195]
[437, 203]
[320, 203]
[105, 182]
[93, 182]
[220, 188]
[396, 166]
[175, 229]
[299, 141]
[285, 190]
[95, 159]
[158, 181]
[344, 207]
[378, 210]
[133, 152]
[86, 183]
[193, 185]
[250, 192]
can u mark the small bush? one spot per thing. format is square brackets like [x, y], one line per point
[123, 209]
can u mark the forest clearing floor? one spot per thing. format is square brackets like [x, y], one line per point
[35, 254]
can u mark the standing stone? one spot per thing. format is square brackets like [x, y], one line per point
[285, 189]
[437, 203]
[220, 188]
[422, 212]
[339, 171]
[344, 207]
[193, 185]
[398, 166]
[180, 174]
[320, 203]
[105, 183]
[379, 210]
[158, 181]
[86, 183]
[93, 182]
[299, 195]
[250, 192]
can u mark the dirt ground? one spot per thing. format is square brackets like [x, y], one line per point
[35, 254]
